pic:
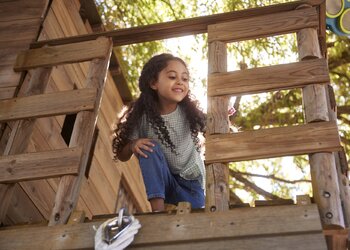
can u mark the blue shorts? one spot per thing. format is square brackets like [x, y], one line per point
[161, 183]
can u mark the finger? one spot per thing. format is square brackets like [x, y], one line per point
[147, 142]
[140, 153]
[144, 147]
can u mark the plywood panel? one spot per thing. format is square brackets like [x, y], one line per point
[7, 92]
[103, 187]
[22, 209]
[9, 32]
[21, 9]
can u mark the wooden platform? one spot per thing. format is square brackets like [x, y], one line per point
[278, 227]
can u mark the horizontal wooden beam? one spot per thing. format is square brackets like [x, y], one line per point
[263, 26]
[185, 27]
[273, 142]
[39, 165]
[61, 54]
[287, 227]
[51, 104]
[284, 76]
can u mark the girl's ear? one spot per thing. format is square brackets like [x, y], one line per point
[154, 86]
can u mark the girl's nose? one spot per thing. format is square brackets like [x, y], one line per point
[179, 81]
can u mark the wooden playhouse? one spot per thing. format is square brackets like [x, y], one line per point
[61, 86]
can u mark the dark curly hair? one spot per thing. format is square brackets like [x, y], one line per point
[148, 104]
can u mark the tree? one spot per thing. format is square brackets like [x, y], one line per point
[280, 176]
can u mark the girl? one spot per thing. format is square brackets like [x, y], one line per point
[161, 128]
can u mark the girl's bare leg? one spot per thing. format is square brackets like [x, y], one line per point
[157, 204]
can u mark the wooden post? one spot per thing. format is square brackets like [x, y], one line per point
[323, 169]
[217, 191]
[21, 131]
[342, 179]
[68, 190]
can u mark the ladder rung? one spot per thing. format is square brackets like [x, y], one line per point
[273, 142]
[69, 53]
[262, 26]
[39, 165]
[269, 78]
[58, 103]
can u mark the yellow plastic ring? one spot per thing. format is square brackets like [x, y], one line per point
[342, 22]
[336, 14]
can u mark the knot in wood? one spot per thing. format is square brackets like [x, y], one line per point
[57, 217]
[329, 215]
[326, 194]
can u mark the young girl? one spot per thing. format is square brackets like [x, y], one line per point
[161, 128]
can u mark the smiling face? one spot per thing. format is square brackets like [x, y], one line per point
[172, 86]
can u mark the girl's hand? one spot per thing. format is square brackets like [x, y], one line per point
[137, 145]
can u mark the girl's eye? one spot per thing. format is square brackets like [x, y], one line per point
[172, 77]
[185, 79]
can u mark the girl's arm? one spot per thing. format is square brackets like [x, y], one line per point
[135, 147]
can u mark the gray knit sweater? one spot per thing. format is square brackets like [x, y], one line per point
[187, 162]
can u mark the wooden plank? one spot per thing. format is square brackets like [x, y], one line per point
[22, 209]
[337, 238]
[64, 102]
[278, 202]
[76, 217]
[256, 27]
[284, 76]
[185, 27]
[10, 30]
[40, 165]
[7, 92]
[217, 175]
[21, 9]
[309, 241]
[21, 132]
[242, 224]
[274, 142]
[61, 54]
[102, 185]
[82, 135]
[324, 175]
[64, 19]
[303, 199]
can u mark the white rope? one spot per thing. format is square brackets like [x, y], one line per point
[123, 235]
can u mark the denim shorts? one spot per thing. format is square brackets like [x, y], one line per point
[161, 183]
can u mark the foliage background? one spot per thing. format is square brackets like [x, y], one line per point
[251, 180]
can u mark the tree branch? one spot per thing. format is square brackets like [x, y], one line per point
[345, 140]
[234, 199]
[272, 176]
[343, 109]
[171, 8]
[343, 119]
[334, 62]
[254, 187]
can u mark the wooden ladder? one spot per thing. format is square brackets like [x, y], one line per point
[319, 137]
[70, 163]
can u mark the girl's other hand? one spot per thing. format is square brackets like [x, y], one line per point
[138, 145]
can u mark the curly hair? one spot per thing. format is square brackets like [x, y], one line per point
[148, 104]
